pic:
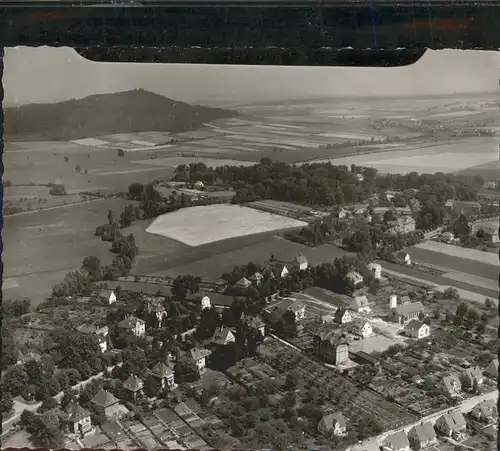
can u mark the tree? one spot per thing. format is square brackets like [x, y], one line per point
[185, 370]
[6, 403]
[120, 152]
[110, 217]
[462, 310]
[78, 169]
[151, 386]
[57, 190]
[292, 380]
[461, 226]
[92, 265]
[451, 293]
[14, 380]
[48, 404]
[128, 216]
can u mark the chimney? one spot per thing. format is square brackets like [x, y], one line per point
[393, 301]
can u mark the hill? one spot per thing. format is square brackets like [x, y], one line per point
[103, 114]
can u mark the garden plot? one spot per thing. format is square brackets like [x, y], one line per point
[207, 224]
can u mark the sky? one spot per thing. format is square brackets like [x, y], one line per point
[49, 74]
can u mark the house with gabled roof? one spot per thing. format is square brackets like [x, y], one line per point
[397, 442]
[256, 278]
[331, 346]
[78, 419]
[451, 385]
[333, 424]
[451, 424]
[107, 296]
[354, 279]
[492, 369]
[404, 258]
[417, 329]
[300, 263]
[472, 375]
[422, 435]
[404, 313]
[282, 271]
[101, 333]
[485, 411]
[133, 325]
[223, 336]
[154, 306]
[360, 304]
[164, 374]
[134, 386]
[254, 323]
[199, 298]
[243, 283]
[199, 355]
[362, 328]
[105, 402]
[292, 305]
[375, 270]
[342, 316]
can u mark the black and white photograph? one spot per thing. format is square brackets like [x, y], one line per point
[257, 257]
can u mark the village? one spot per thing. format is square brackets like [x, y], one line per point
[326, 369]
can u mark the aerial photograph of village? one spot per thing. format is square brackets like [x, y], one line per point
[284, 270]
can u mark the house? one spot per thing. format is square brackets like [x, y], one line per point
[402, 226]
[333, 424]
[414, 204]
[422, 435]
[199, 298]
[106, 403]
[490, 234]
[472, 376]
[354, 279]
[205, 302]
[331, 347]
[490, 185]
[404, 258]
[101, 333]
[256, 278]
[164, 374]
[417, 329]
[492, 369]
[283, 271]
[198, 185]
[108, 296]
[451, 424]
[485, 411]
[342, 316]
[223, 336]
[154, 306]
[199, 356]
[243, 283]
[254, 323]
[360, 177]
[134, 386]
[78, 419]
[451, 385]
[133, 325]
[362, 329]
[360, 304]
[375, 270]
[404, 313]
[327, 319]
[300, 263]
[342, 214]
[397, 442]
[292, 305]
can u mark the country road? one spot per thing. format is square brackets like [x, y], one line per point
[24, 213]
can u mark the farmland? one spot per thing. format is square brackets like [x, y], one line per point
[203, 225]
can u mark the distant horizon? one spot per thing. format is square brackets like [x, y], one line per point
[53, 75]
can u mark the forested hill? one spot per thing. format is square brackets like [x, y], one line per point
[103, 114]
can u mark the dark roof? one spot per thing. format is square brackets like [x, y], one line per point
[199, 353]
[76, 412]
[133, 383]
[222, 335]
[329, 421]
[339, 314]
[162, 370]
[130, 322]
[425, 431]
[414, 324]
[334, 337]
[105, 294]
[406, 309]
[104, 398]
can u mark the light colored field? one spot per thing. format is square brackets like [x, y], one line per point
[460, 252]
[473, 280]
[206, 224]
[126, 171]
[173, 162]
[93, 142]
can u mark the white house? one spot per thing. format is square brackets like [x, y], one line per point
[199, 356]
[223, 336]
[360, 304]
[404, 257]
[256, 278]
[101, 332]
[78, 418]
[485, 411]
[300, 263]
[205, 302]
[283, 271]
[343, 213]
[243, 283]
[397, 442]
[333, 424]
[133, 325]
[492, 369]
[362, 329]
[342, 316]
[108, 296]
[376, 270]
[422, 435]
[290, 304]
[451, 385]
[417, 329]
[354, 279]
[471, 376]
[360, 177]
[198, 185]
[451, 424]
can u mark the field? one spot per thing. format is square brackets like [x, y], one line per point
[41, 247]
[207, 224]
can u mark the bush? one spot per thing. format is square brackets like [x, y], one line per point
[57, 190]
